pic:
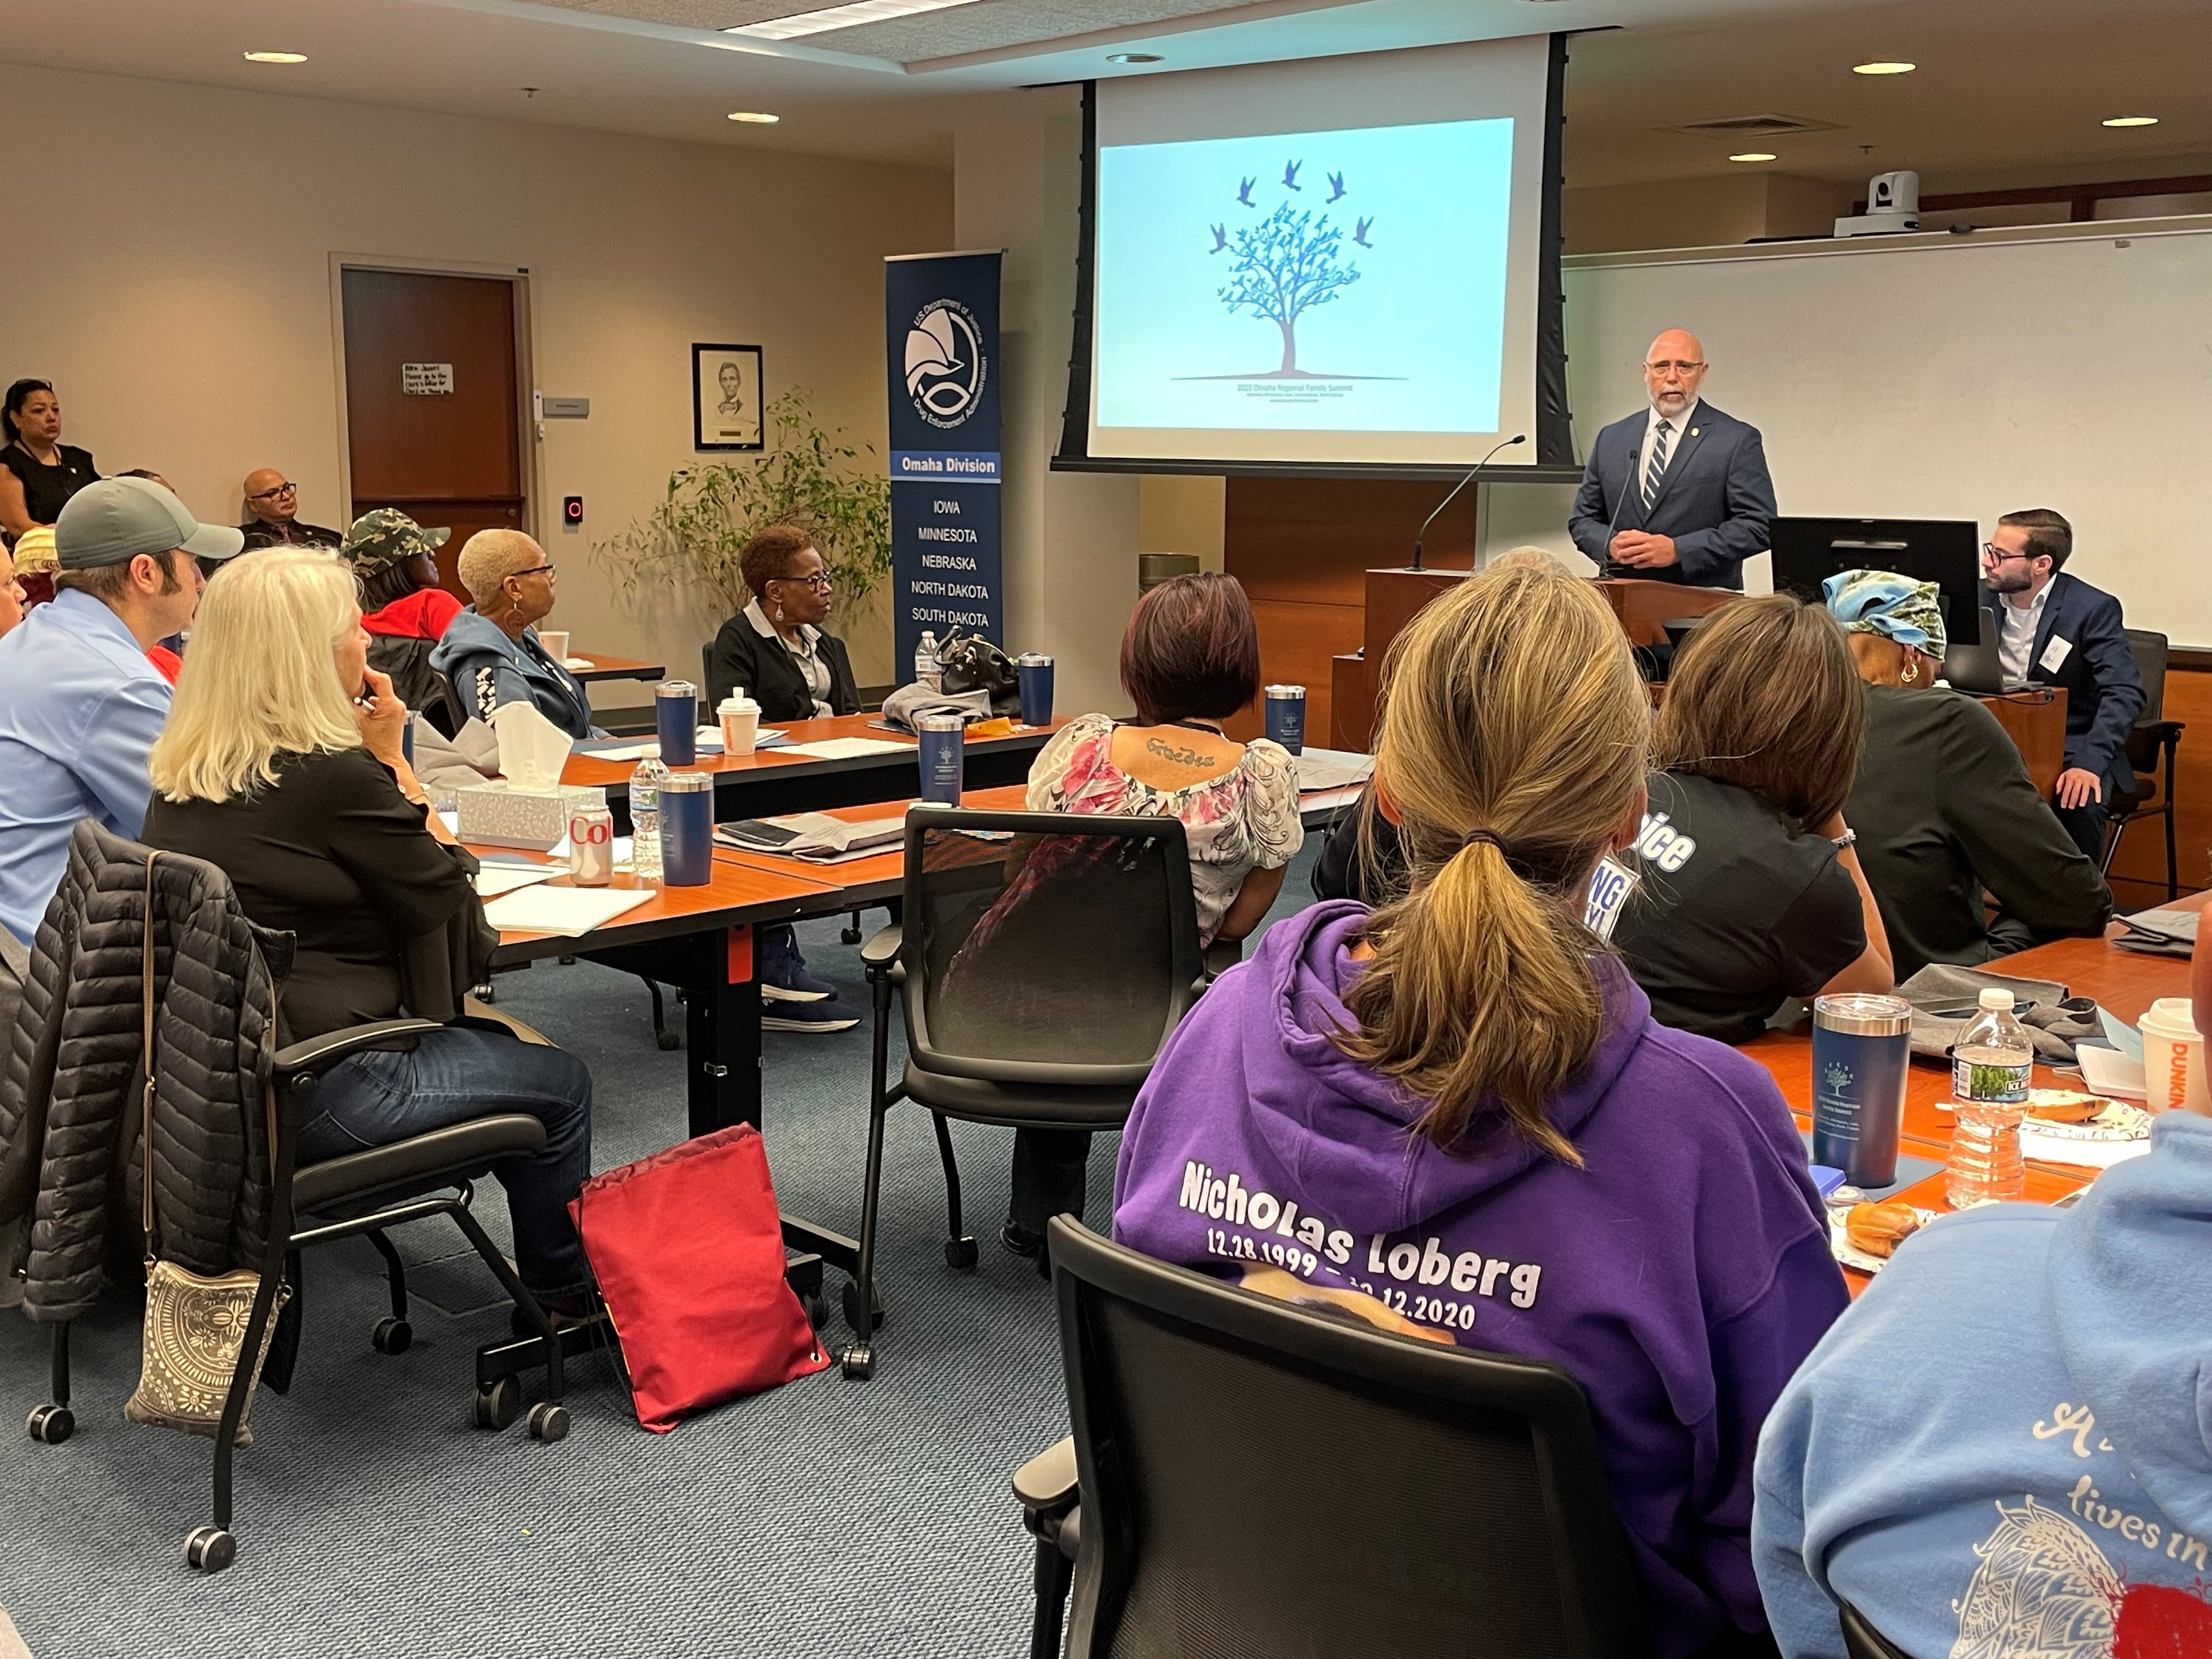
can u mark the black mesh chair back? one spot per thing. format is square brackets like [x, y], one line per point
[1259, 1478]
[2149, 649]
[1862, 1641]
[1046, 948]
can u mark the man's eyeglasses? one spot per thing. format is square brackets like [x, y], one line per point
[1681, 368]
[1995, 555]
[819, 581]
[271, 495]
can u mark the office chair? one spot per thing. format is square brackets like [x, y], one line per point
[2152, 744]
[1861, 1640]
[1043, 959]
[1248, 1476]
[364, 1191]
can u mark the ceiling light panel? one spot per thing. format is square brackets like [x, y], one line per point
[2132, 121]
[276, 57]
[1886, 66]
[859, 12]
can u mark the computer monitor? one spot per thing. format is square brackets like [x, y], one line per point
[1945, 551]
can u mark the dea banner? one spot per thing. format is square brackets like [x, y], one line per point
[941, 347]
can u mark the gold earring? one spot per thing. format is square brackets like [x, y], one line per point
[1912, 675]
[779, 612]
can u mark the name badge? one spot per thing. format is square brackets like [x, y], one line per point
[1611, 883]
[2054, 654]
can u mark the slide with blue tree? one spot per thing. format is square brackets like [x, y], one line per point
[1373, 258]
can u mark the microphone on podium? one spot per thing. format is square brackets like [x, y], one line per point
[1506, 443]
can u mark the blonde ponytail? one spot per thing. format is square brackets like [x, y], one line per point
[1514, 738]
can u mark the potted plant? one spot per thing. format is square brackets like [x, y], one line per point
[814, 479]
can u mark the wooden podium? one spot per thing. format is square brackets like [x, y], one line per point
[1394, 595]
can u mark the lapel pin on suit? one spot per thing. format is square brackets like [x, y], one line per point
[1694, 432]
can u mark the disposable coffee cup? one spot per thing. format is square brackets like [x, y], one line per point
[1286, 716]
[2174, 1057]
[555, 641]
[1861, 1053]
[676, 721]
[687, 829]
[1033, 673]
[740, 720]
[943, 762]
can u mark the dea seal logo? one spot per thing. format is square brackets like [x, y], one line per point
[944, 366]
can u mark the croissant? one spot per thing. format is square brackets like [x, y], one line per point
[1878, 1228]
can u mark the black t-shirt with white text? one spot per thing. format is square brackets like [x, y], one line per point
[1739, 910]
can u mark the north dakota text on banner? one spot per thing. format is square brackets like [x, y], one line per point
[941, 347]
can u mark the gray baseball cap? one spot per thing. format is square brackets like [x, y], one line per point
[113, 520]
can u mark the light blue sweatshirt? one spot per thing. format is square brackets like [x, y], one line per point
[2004, 1450]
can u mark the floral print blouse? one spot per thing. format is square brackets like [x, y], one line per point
[1245, 820]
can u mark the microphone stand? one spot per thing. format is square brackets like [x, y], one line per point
[1506, 443]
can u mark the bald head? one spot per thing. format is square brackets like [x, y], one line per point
[1674, 369]
[269, 497]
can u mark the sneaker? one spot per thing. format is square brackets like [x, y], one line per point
[817, 1017]
[783, 972]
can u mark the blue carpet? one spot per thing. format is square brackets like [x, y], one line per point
[827, 1517]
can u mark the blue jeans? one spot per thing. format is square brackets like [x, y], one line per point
[459, 1074]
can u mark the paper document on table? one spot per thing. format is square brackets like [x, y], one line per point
[2082, 1154]
[565, 911]
[493, 879]
[1331, 768]
[848, 748]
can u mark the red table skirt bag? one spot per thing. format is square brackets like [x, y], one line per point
[688, 1253]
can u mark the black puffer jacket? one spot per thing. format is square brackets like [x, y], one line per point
[68, 1114]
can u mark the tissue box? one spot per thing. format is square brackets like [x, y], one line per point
[499, 814]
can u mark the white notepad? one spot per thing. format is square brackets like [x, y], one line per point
[493, 879]
[848, 747]
[567, 911]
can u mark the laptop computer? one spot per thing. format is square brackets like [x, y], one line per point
[1977, 668]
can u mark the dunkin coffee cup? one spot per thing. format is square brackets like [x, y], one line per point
[739, 716]
[2174, 1057]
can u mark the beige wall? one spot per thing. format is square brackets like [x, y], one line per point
[1705, 212]
[179, 293]
[1180, 513]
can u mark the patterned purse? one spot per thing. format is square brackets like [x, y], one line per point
[195, 1325]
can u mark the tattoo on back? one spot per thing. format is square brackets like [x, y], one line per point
[1168, 752]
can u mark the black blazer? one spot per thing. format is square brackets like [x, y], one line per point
[766, 668]
[2104, 689]
[1715, 498]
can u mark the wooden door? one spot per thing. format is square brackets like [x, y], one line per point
[434, 404]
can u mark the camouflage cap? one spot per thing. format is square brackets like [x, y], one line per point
[387, 537]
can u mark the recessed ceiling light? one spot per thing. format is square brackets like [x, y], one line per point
[2132, 121]
[759, 117]
[1752, 155]
[840, 17]
[276, 57]
[1884, 68]
[1133, 57]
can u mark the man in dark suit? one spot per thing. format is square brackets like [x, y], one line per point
[1677, 492]
[2057, 629]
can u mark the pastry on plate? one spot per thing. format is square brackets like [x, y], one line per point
[2064, 1105]
[1878, 1228]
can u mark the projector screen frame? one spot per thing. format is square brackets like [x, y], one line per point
[1553, 435]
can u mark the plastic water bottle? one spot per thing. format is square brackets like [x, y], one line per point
[926, 671]
[1989, 1082]
[644, 818]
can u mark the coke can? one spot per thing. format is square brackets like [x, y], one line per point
[591, 844]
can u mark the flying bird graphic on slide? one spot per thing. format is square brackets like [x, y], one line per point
[1220, 238]
[1335, 187]
[1359, 232]
[1290, 175]
[1244, 193]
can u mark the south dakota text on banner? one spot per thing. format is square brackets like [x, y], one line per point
[941, 349]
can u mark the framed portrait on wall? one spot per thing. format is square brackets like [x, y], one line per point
[726, 398]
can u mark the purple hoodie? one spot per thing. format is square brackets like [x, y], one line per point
[1681, 1277]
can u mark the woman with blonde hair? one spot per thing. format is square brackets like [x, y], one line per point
[282, 765]
[1460, 1108]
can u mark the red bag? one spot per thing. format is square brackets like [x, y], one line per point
[689, 1254]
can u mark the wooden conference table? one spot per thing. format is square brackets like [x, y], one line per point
[605, 667]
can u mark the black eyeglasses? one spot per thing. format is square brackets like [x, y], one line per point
[270, 495]
[1997, 554]
[819, 581]
[546, 570]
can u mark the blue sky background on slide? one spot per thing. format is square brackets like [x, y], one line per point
[1429, 307]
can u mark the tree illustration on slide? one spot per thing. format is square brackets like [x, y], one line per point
[1283, 267]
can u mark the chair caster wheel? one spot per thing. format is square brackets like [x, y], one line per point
[391, 1335]
[817, 1309]
[210, 1549]
[51, 1424]
[498, 1404]
[849, 935]
[960, 1252]
[549, 1421]
[850, 1298]
[860, 1362]
[667, 1041]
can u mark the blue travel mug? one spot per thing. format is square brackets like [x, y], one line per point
[676, 721]
[1033, 671]
[942, 760]
[1286, 716]
[1861, 1053]
[687, 829]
